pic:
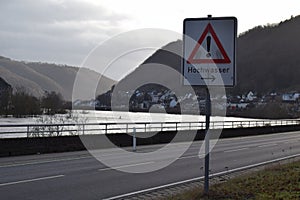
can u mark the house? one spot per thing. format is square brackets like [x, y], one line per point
[290, 97]
[173, 103]
[251, 96]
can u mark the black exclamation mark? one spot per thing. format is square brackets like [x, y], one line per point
[208, 40]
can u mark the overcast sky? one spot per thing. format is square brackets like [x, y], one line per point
[65, 31]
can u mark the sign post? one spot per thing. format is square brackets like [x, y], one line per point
[207, 138]
[209, 59]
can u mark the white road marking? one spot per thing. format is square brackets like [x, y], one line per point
[195, 156]
[268, 145]
[201, 178]
[43, 162]
[154, 188]
[291, 142]
[125, 166]
[234, 150]
[31, 180]
[267, 137]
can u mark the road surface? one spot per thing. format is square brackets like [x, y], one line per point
[78, 175]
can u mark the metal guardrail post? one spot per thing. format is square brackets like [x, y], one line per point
[57, 130]
[28, 131]
[134, 139]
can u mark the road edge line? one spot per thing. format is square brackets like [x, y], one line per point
[202, 177]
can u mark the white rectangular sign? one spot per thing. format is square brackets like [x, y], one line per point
[209, 51]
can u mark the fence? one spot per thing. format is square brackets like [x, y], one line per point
[46, 130]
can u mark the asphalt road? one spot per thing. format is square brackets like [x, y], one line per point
[78, 175]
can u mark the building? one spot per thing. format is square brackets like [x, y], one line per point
[290, 97]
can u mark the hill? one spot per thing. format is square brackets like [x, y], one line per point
[268, 58]
[152, 66]
[36, 78]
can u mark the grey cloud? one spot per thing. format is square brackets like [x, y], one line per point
[54, 30]
[51, 11]
[122, 53]
[66, 31]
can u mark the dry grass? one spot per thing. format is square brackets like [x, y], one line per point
[277, 182]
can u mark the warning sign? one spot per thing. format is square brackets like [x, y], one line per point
[216, 55]
[209, 51]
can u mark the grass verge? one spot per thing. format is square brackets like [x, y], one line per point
[276, 182]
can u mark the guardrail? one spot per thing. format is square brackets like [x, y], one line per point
[47, 130]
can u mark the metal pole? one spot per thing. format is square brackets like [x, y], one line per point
[207, 121]
[134, 139]
[27, 130]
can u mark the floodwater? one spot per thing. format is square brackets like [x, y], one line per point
[83, 117]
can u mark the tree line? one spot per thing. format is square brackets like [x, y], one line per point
[21, 104]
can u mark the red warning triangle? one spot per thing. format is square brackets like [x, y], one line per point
[193, 60]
